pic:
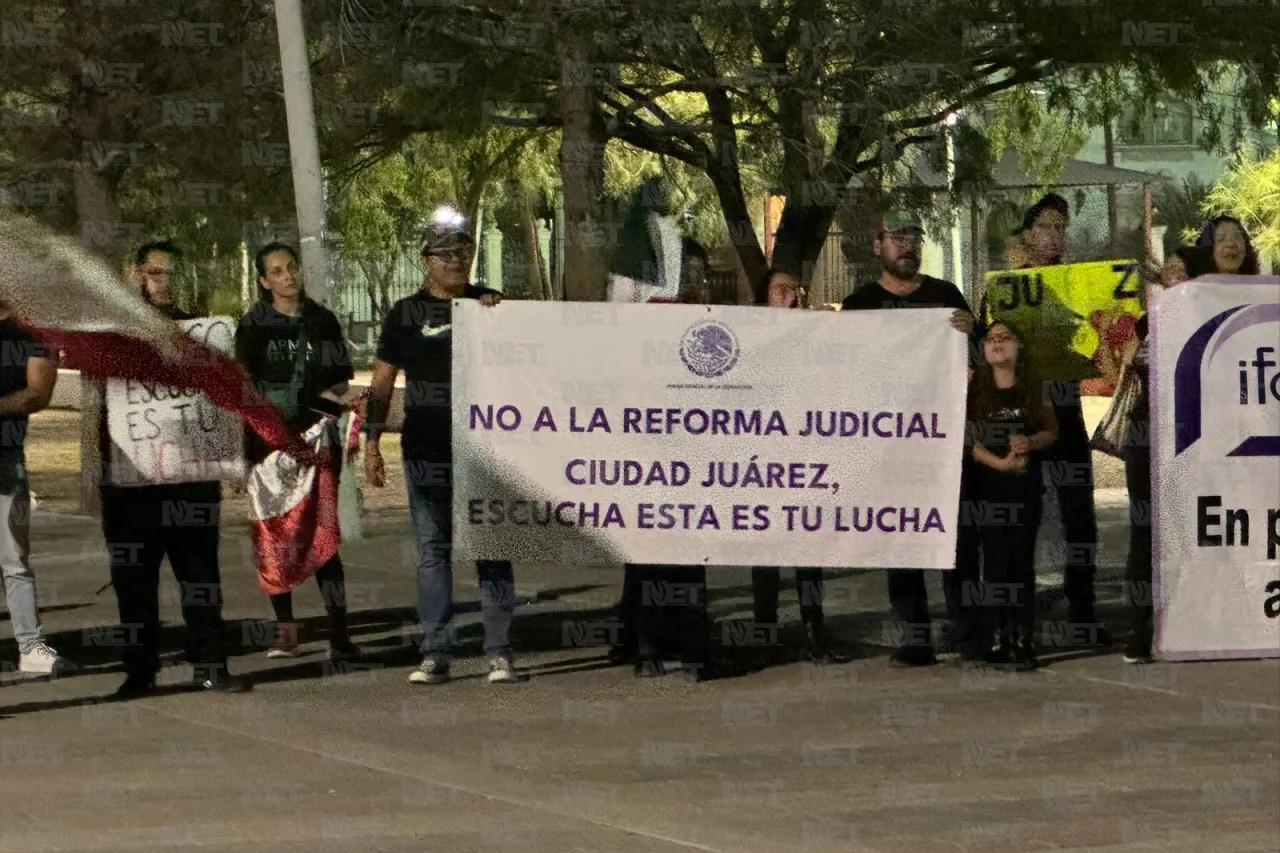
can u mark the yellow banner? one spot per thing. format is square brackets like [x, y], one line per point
[1078, 319]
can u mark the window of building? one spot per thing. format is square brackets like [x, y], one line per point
[1157, 124]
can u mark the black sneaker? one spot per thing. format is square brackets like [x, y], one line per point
[912, 656]
[622, 654]
[816, 649]
[135, 687]
[1137, 653]
[1024, 658]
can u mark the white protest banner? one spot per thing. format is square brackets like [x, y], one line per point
[174, 435]
[603, 433]
[1216, 468]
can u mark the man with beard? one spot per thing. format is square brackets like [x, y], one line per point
[897, 244]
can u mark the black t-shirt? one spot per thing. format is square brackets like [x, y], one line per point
[932, 293]
[417, 338]
[17, 347]
[995, 429]
[267, 346]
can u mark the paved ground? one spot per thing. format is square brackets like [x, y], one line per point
[1085, 755]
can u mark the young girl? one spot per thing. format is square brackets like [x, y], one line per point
[1008, 421]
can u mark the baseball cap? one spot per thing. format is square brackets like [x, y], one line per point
[899, 220]
[444, 237]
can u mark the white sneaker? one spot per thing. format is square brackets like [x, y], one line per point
[502, 670]
[432, 671]
[39, 659]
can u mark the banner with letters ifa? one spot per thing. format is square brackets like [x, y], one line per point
[1079, 317]
[595, 434]
[162, 434]
[1215, 382]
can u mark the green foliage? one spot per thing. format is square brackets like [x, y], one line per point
[1044, 138]
[1250, 190]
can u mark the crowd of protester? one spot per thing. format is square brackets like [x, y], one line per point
[294, 351]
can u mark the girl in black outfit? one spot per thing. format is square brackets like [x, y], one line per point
[1008, 421]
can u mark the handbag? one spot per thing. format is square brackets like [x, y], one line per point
[1115, 431]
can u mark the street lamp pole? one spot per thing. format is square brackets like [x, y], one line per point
[304, 148]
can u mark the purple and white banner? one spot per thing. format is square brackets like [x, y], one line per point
[1215, 380]
[595, 433]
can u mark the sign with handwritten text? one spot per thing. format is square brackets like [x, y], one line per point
[595, 433]
[1080, 318]
[162, 434]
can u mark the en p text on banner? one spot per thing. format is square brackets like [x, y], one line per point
[1079, 318]
[1215, 419]
[594, 434]
[164, 434]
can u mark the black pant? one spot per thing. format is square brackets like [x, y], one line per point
[1008, 589]
[963, 608]
[671, 613]
[333, 591]
[143, 525]
[1137, 571]
[909, 598]
[766, 588]
[1068, 466]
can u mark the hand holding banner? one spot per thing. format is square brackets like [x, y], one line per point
[596, 434]
[1216, 468]
[163, 434]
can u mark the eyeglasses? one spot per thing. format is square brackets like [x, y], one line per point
[905, 239]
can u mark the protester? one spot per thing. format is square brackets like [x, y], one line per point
[294, 350]
[1043, 240]
[663, 610]
[143, 522]
[1233, 252]
[28, 373]
[900, 285]
[1008, 421]
[668, 603]
[1186, 263]
[785, 291]
[416, 338]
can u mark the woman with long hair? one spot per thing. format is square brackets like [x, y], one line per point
[1008, 421]
[295, 352]
[1228, 241]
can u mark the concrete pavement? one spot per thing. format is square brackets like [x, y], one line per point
[1085, 755]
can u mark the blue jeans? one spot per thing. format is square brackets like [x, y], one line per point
[431, 508]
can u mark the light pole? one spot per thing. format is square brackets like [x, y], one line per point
[304, 148]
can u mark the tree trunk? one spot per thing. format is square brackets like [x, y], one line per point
[536, 260]
[582, 143]
[737, 219]
[801, 236]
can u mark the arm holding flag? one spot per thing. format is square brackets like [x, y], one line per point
[75, 302]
